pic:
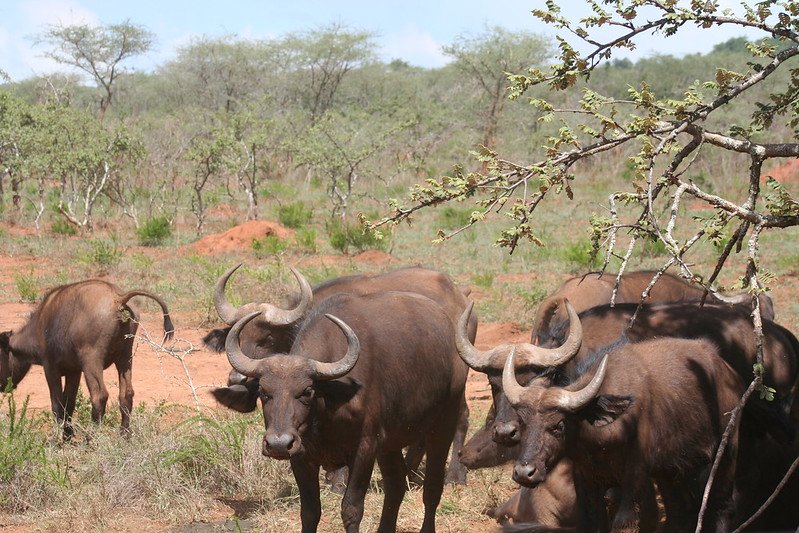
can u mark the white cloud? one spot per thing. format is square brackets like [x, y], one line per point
[414, 46]
[42, 12]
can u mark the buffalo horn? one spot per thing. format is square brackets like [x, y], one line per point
[238, 359]
[530, 354]
[327, 371]
[276, 316]
[474, 358]
[510, 387]
[225, 309]
[573, 400]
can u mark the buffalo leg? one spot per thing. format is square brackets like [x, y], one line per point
[56, 398]
[97, 391]
[361, 468]
[124, 368]
[456, 472]
[590, 505]
[437, 448]
[71, 384]
[392, 467]
[307, 477]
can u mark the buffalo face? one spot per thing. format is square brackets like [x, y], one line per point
[12, 367]
[287, 387]
[546, 412]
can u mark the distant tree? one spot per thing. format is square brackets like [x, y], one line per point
[320, 59]
[97, 50]
[221, 74]
[207, 152]
[487, 59]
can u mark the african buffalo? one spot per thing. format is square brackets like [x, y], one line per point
[400, 382]
[596, 288]
[617, 427]
[265, 336]
[80, 327]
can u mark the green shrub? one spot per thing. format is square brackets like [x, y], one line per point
[294, 215]
[306, 239]
[343, 237]
[268, 246]
[484, 280]
[580, 255]
[155, 231]
[21, 442]
[654, 248]
[62, 227]
[26, 286]
[103, 253]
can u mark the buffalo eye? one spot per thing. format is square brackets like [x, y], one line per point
[265, 397]
[306, 395]
[558, 428]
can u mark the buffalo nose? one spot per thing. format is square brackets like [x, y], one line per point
[506, 433]
[279, 445]
[525, 475]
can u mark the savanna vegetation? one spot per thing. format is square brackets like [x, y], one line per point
[118, 173]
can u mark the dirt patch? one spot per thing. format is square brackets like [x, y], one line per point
[785, 173]
[374, 257]
[240, 237]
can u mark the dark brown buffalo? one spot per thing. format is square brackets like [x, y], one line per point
[652, 411]
[596, 288]
[276, 332]
[400, 382]
[82, 327]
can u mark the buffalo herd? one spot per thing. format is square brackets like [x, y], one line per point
[610, 418]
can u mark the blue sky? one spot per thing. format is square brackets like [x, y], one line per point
[413, 30]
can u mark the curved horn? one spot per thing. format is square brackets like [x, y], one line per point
[327, 371]
[226, 311]
[513, 391]
[474, 358]
[573, 400]
[535, 355]
[238, 359]
[543, 317]
[470, 355]
[276, 316]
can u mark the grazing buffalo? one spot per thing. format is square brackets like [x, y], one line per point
[82, 327]
[276, 329]
[617, 425]
[400, 382]
[596, 288]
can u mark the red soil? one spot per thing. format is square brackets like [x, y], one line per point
[240, 237]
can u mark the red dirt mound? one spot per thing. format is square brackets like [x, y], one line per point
[240, 237]
[785, 173]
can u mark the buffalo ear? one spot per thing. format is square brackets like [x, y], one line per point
[605, 409]
[215, 339]
[237, 397]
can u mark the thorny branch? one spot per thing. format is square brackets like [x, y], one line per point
[178, 349]
[656, 127]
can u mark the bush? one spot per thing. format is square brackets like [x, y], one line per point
[268, 246]
[306, 239]
[580, 255]
[484, 280]
[342, 237]
[104, 254]
[62, 227]
[294, 215]
[26, 287]
[21, 441]
[155, 231]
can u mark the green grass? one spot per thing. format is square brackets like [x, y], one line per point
[154, 231]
